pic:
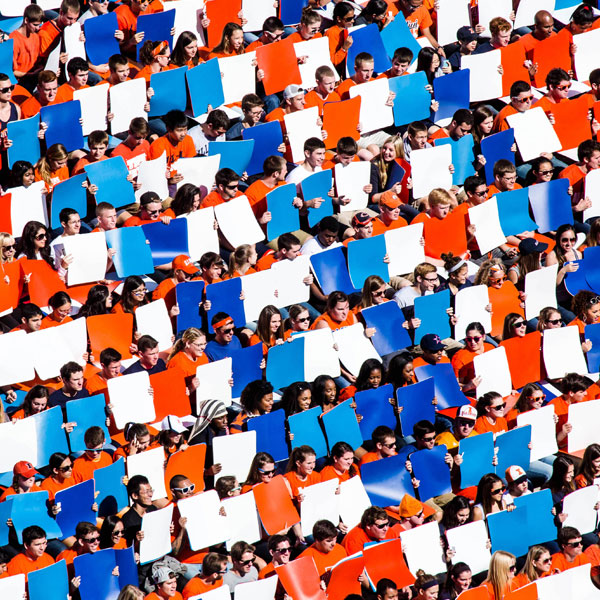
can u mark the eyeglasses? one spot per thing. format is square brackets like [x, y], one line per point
[519, 324]
[245, 563]
[466, 423]
[267, 473]
[542, 397]
[593, 301]
[303, 319]
[570, 239]
[348, 19]
[185, 490]
[9, 247]
[499, 406]
[4, 90]
[523, 100]
[497, 279]
[41, 236]
[92, 540]
[382, 525]
[436, 278]
[284, 550]
[574, 544]
[65, 469]
[564, 87]
[473, 338]
[554, 321]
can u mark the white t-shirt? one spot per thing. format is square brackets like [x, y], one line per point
[201, 140]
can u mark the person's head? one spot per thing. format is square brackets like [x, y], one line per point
[343, 15]
[31, 317]
[211, 266]
[401, 60]
[227, 182]
[375, 523]
[370, 375]
[590, 464]
[440, 203]
[253, 108]
[505, 174]
[569, 540]
[329, 228]
[187, 199]
[224, 328]
[456, 268]
[514, 326]
[22, 172]
[137, 434]
[574, 387]
[214, 566]
[78, 70]
[138, 131]
[549, 318]
[492, 273]
[280, 548]
[594, 79]
[411, 512]
[227, 487]
[270, 325]
[417, 135]
[391, 149]
[262, 469]
[165, 581]
[173, 433]
[68, 13]
[87, 536]
[558, 83]
[217, 123]
[8, 246]
[193, 341]
[389, 206]
[457, 512]
[302, 461]
[272, 30]
[566, 239]
[119, 68]
[150, 206]
[288, 246]
[148, 351]
[325, 79]
[563, 474]
[483, 121]
[47, 87]
[433, 348]
[176, 123]
[521, 96]
[424, 434]
[362, 223]
[543, 24]
[310, 23]
[325, 535]
[588, 153]
[110, 359]
[586, 306]
[299, 318]
[232, 40]
[517, 480]
[373, 292]
[464, 422]
[314, 152]
[183, 268]
[23, 476]
[375, 12]
[297, 397]
[242, 557]
[6, 88]
[467, 38]
[155, 53]
[140, 491]
[426, 277]
[293, 98]
[426, 585]
[71, 374]
[542, 169]
[428, 61]
[537, 564]
[107, 216]
[503, 567]
[459, 578]
[342, 458]
[384, 440]
[130, 592]
[489, 492]
[56, 157]
[98, 143]
[325, 392]
[491, 405]
[346, 150]
[401, 370]
[36, 400]
[500, 29]
[531, 398]
[364, 65]
[181, 487]
[386, 589]
[257, 397]
[111, 532]
[33, 18]
[338, 306]
[34, 541]
[185, 50]
[60, 303]
[94, 439]
[582, 19]
[461, 124]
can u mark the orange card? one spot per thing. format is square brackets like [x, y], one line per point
[5, 214]
[44, 281]
[386, 560]
[504, 300]
[524, 358]
[478, 593]
[279, 62]
[188, 462]
[300, 578]
[529, 592]
[343, 578]
[571, 121]
[220, 13]
[170, 397]
[552, 53]
[275, 507]
[110, 331]
[80, 292]
[512, 58]
[340, 119]
[11, 285]
[445, 235]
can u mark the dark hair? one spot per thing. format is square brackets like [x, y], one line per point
[20, 167]
[31, 533]
[108, 356]
[272, 24]
[380, 433]
[57, 459]
[592, 453]
[422, 428]
[587, 148]
[178, 56]
[223, 45]
[146, 342]
[69, 369]
[218, 119]
[583, 15]
[226, 176]
[463, 115]
[65, 213]
[395, 370]
[565, 534]
[29, 310]
[146, 54]
[329, 224]
[26, 244]
[299, 454]
[108, 526]
[77, 64]
[323, 530]
[96, 302]
[424, 60]
[212, 563]
[286, 241]
[175, 119]
[334, 298]
[526, 392]
[449, 518]
[275, 540]
[37, 391]
[117, 59]
[183, 202]
[383, 585]
[518, 87]
[224, 485]
[372, 514]
[472, 182]
[93, 436]
[131, 283]
[485, 401]
[403, 54]
[318, 390]
[341, 9]
[456, 571]
[135, 483]
[484, 496]
[337, 451]
[573, 382]
[560, 467]
[289, 399]
[555, 76]
[253, 393]
[475, 326]
[258, 462]
[314, 143]
[508, 328]
[368, 366]
[59, 299]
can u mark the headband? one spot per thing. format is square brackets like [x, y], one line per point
[457, 266]
[428, 584]
[159, 49]
[223, 322]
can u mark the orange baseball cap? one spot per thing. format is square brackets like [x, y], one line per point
[185, 264]
[25, 469]
[390, 199]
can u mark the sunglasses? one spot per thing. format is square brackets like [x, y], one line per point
[523, 100]
[542, 397]
[245, 563]
[594, 301]
[546, 172]
[10, 88]
[379, 294]
[546, 561]
[227, 331]
[186, 489]
[574, 544]
[501, 279]
[153, 212]
[348, 19]
[475, 339]
[499, 406]
[284, 550]
[554, 321]
[570, 239]
[267, 473]
[429, 439]
[519, 324]
[564, 87]
[92, 540]
[9, 247]
[466, 423]
[303, 319]
[41, 236]
[499, 490]
[482, 193]
[382, 525]
[94, 450]
[119, 533]
[65, 469]
[232, 187]
[390, 445]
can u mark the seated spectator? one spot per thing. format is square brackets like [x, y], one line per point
[23, 480]
[94, 456]
[242, 569]
[224, 341]
[374, 527]
[33, 556]
[256, 400]
[325, 550]
[571, 551]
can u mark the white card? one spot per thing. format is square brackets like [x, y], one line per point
[543, 431]
[469, 307]
[470, 544]
[242, 519]
[533, 133]
[353, 500]
[16, 365]
[220, 593]
[238, 76]
[451, 16]
[290, 275]
[422, 548]
[488, 9]
[320, 356]
[573, 583]
[484, 79]
[152, 174]
[374, 114]
[157, 536]
[492, 367]
[127, 101]
[131, 399]
[94, 106]
[202, 235]
[300, 126]
[13, 8]
[238, 223]
[317, 55]
[153, 319]
[592, 191]
[586, 57]
[13, 588]
[89, 257]
[527, 9]
[404, 249]
[486, 219]
[320, 502]
[53, 62]
[27, 204]
[263, 589]
[188, 14]
[350, 181]
[354, 347]
[199, 170]
[151, 464]
[256, 12]
[18, 441]
[214, 381]
[206, 526]
[579, 508]
[540, 290]
[73, 45]
[562, 352]
[583, 416]
[430, 169]
[235, 453]
[259, 290]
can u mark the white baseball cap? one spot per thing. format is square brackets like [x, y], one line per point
[172, 423]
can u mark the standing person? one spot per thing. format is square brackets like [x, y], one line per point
[242, 569]
[339, 38]
[51, 32]
[26, 46]
[503, 566]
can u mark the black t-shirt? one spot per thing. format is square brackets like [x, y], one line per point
[132, 522]
[59, 398]
[137, 367]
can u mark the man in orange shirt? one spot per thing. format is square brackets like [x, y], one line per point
[110, 360]
[288, 247]
[183, 270]
[364, 66]
[325, 550]
[400, 63]
[274, 172]
[389, 217]
[374, 527]
[51, 31]
[558, 84]
[384, 440]
[98, 144]
[588, 155]
[150, 207]
[127, 14]
[26, 45]
[461, 124]
[45, 95]
[418, 19]
[227, 183]
[135, 149]
[325, 90]
[87, 542]
[94, 457]
[505, 178]
[574, 389]
[520, 102]
[176, 142]
[33, 557]
[106, 214]
[280, 548]
[542, 30]
[214, 566]
[571, 554]
[78, 71]
[272, 31]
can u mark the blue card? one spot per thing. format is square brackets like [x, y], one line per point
[431, 309]
[462, 157]
[112, 494]
[285, 363]
[412, 99]
[551, 204]
[417, 404]
[376, 409]
[432, 472]
[592, 275]
[291, 11]
[565, 4]
[284, 215]
[100, 41]
[68, 194]
[32, 509]
[110, 177]
[224, 296]
[365, 258]
[494, 147]
[452, 91]
[478, 453]
[245, 365]
[63, 124]
[128, 572]
[270, 434]
[331, 271]
[75, 506]
[340, 425]
[592, 332]
[368, 39]
[167, 241]
[397, 174]
[387, 319]
[447, 392]
[50, 583]
[306, 427]
[386, 481]
[189, 295]
[26, 145]
[575, 281]
[318, 185]
[234, 155]
[204, 86]
[51, 436]
[398, 35]
[86, 412]
[513, 449]
[267, 138]
[156, 27]
[6, 60]
[513, 209]
[170, 92]
[5, 510]
[97, 580]
[133, 255]
[502, 527]
[540, 520]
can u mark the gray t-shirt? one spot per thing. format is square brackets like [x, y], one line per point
[232, 579]
[405, 296]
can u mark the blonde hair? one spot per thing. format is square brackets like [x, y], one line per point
[482, 276]
[439, 196]
[381, 165]
[535, 552]
[3, 238]
[498, 572]
[189, 337]
[55, 153]
[239, 257]
[130, 592]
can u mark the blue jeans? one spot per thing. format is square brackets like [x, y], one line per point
[540, 471]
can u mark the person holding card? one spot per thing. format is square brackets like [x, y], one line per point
[94, 456]
[26, 46]
[490, 408]
[60, 303]
[498, 582]
[188, 353]
[150, 211]
[78, 71]
[165, 585]
[135, 148]
[51, 31]
[339, 38]
[324, 91]
[571, 554]
[588, 159]
[227, 183]
[52, 167]
[71, 375]
[256, 400]
[23, 480]
[589, 469]
[214, 566]
[325, 550]
[300, 471]
[489, 497]
[537, 564]
[33, 557]
[374, 526]
[176, 142]
[140, 493]
[35, 402]
[45, 94]
[110, 362]
[61, 475]
[384, 442]
[390, 207]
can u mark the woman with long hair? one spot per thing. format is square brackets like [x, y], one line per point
[593, 237]
[369, 377]
[589, 469]
[35, 243]
[22, 174]
[52, 167]
[8, 248]
[456, 513]
[300, 470]
[490, 410]
[308, 28]
[340, 463]
[530, 259]
[537, 564]
[586, 307]
[325, 393]
[483, 123]
[429, 61]
[133, 295]
[503, 567]
[262, 470]
[562, 480]
[564, 254]
[35, 402]
[337, 34]
[171, 437]
[112, 533]
[489, 497]
[458, 580]
[155, 58]
[400, 371]
[462, 361]
[98, 302]
[269, 330]
[296, 398]
[549, 318]
[61, 475]
[373, 293]
[232, 42]
[515, 326]
[298, 320]
[23, 480]
[187, 354]
[185, 52]
[187, 200]
[242, 261]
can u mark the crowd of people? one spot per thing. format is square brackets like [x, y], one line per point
[405, 343]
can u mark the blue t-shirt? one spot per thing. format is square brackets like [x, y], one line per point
[216, 351]
[137, 367]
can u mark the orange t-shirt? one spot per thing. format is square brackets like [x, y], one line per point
[166, 290]
[48, 322]
[26, 50]
[257, 196]
[65, 92]
[82, 163]
[329, 472]
[576, 178]
[370, 457]
[96, 384]
[335, 325]
[155, 596]
[482, 425]
[560, 562]
[84, 467]
[195, 586]
[184, 149]
[56, 177]
[52, 486]
[21, 563]
[214, 199]
[324, 560]
[266, 261]
[49, 34]
[313, 99]
[130, 156]
[296, 483]
[9, 491]
[418, 20]
[380, 227]
[500, 122]
[462, 363]
[356, 539]
[337, 36]
[182, 361]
